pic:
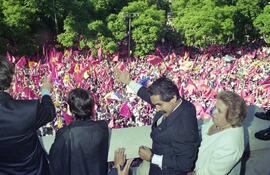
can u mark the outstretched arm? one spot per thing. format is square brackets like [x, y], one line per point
[45, 108]
[124, 77]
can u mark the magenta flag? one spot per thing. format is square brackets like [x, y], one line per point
[181, 91]
[111, 123]
[53, 71]
[29, 93]
[153, 59]
[68, 119]
[125, 110]
[21, 63]
[10, 58]
[116, 57]
[100, 54]
[158, 50]
[264, 82]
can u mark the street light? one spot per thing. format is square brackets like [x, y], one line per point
[130, 16]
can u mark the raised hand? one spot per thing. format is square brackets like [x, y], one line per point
[122, 76]
[126, 168]
[145, 153]
[47, 83]
[119, 157]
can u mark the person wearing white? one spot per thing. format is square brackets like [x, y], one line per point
[222, 143]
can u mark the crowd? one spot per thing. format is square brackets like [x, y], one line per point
[82, 146]
[199, 76]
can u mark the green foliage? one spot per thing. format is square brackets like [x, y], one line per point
[205, 25]
[206, 22]
[147, 24]
[25, 24]
[262, 23]
[16, 19]
[19, 14]
[67, 38]
[88, 26]
[117, 25]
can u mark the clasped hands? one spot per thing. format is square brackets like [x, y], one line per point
[145, 153]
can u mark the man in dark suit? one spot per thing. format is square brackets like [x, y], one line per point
[20, 150]
[174, 132]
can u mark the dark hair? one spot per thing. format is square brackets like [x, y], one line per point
[81, 103]
[6, 73]
[237, 108]
[165, 88]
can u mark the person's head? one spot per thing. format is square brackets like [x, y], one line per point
[81, 103]
[230, 110]
[164, 94]
[6, 73]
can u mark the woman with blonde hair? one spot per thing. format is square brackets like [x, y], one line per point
[222, 143]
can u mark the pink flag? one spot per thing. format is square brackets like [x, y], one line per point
[158, 50]
[111, 123]
[116, 57]
[198, 107]
[266, 81]
[68, 119]
[122, 66]
[53, 71]
[250, 99]
[29, 93]
[71, 69]
[21, 63]
[100, 54]
[181, 91]
[153, 59]
[78, 78]
[10, 58]
[125, 110]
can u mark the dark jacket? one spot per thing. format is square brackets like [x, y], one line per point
[176, 138]
[20, 150]
[80, 149]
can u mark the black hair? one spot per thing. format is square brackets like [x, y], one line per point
[165, 88]
[6, 73]
[81, 103]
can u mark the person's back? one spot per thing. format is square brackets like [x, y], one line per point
[80, 148]
[20, 150]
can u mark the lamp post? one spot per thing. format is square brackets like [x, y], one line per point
[130, 16]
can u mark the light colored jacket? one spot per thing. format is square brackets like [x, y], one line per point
[220, 152]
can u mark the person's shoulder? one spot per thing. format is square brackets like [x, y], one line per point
[89, 123]
[18, 104]
[187, 103]
[25, 101]
[232, 137]
[102, 124]
[63, 132]
[187, 108]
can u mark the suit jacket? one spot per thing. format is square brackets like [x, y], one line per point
[176, 138]
[20, 150]
[81, 148]
[219, 153]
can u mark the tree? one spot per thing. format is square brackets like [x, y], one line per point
[86, 24]
[247, 11]
[262, 23]
[17, 18]
[203, 24]
[147, 25]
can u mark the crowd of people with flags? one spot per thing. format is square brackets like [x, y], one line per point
[199, 76]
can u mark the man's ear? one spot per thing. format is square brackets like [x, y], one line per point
[174, 99]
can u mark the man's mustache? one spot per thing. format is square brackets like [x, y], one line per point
[162, 112]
